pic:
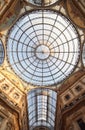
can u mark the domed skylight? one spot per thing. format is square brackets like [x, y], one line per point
[43, 47]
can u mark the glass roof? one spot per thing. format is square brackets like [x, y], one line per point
[1, 52]
[42, 2]
[83, 54]
[43, 47]
[42, 108]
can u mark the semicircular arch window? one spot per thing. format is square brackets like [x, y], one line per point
[43, 47]
[42, 3]
[83, 54]
[1, 52]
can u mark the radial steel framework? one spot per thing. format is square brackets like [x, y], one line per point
[43, 47]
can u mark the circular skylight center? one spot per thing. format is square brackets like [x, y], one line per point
[42, 52]
[43, 47]
[42, 2]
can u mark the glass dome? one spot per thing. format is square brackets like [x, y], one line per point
[43, 47]
[42, 108]
[1, 52]
[42, 2]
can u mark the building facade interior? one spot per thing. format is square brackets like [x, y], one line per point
[42, 64]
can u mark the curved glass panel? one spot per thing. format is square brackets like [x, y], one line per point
[1, 52]
[83, 54]
[42, 108]
[43, 47]
[42, 2]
